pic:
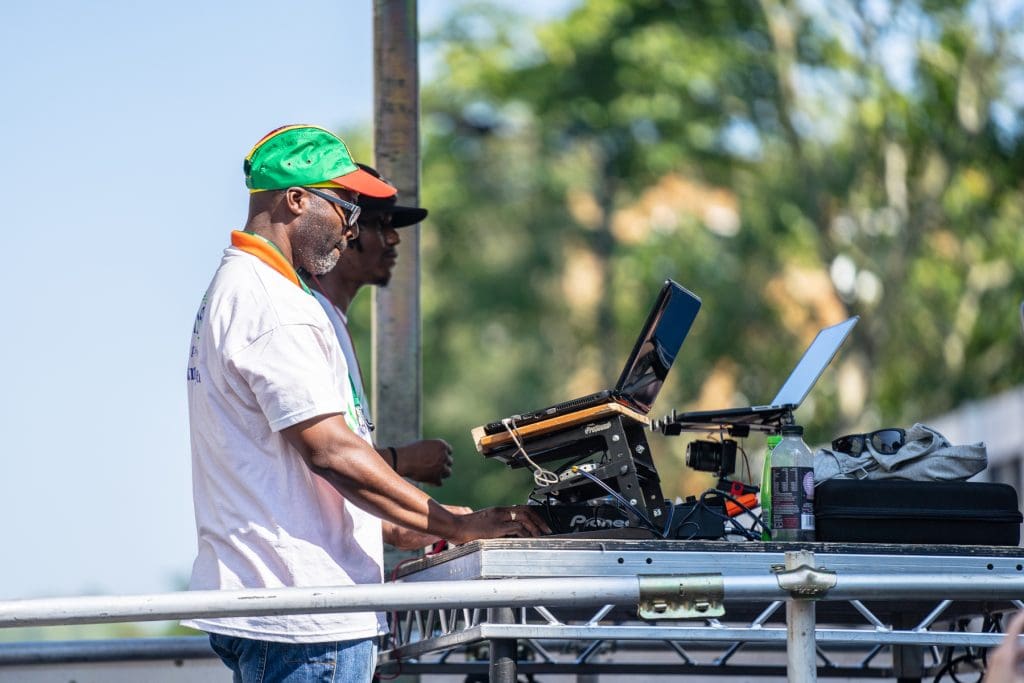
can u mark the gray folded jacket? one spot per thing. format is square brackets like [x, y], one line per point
[926, 456]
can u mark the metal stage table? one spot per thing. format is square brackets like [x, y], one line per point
[867, 610]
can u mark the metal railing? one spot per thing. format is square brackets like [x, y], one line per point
[799, 586]
[560, 592]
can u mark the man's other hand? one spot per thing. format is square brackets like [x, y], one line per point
[406, 539]
[428, 461]
[1004, 662]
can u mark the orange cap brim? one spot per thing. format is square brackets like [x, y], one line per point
[364, 183]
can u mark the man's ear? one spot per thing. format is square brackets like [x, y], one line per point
[297, 200]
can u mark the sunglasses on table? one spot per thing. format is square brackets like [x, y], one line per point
[882, 441]
[353, 209]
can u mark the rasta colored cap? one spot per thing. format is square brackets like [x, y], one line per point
[401, 216]
[307, 156]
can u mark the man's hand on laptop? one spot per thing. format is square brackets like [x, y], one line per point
[520, 521]
[427, 461]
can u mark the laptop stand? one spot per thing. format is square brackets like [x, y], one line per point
[769, 421]
[609, 442]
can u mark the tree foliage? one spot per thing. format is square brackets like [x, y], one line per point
[792, 163]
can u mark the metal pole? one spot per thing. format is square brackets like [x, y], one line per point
[801, 662]
[907, 660]
[502, 666]
[397, 375]
[480, 593]
[565, 592]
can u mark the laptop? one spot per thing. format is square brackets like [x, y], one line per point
[655, 350]
[794, 390]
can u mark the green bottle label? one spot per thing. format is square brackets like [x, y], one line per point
[766, 487]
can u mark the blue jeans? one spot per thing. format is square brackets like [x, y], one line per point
[263, 661]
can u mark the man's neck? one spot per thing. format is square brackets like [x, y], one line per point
[276, 234]
[338, 290]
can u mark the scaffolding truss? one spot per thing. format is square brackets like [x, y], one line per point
[881, 611]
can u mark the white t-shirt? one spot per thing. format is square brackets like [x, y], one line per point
[340, 323]
[264, 357]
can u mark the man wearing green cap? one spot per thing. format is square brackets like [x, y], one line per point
[288, 490]
[369, 260]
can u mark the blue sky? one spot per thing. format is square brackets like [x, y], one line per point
[124, 128]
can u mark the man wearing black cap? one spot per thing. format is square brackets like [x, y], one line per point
[369, 260]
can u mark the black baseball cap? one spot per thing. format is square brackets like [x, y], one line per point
[401, 216]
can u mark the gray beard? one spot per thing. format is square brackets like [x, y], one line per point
[321, 256]
[323, 263]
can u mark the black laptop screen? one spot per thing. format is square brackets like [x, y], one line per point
[667, 326]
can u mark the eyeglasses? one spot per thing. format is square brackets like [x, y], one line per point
[883, 442]
[353, 209]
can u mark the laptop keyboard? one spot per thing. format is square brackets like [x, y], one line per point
[565, 406]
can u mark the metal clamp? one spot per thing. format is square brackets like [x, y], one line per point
[687, 596]
[804, 582]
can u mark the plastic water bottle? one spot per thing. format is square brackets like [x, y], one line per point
[792, 487]
[766, 487]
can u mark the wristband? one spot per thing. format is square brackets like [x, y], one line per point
[394, 457]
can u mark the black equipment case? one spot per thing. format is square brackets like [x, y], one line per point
[899, 511]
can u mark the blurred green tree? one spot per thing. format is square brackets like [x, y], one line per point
[792, 163]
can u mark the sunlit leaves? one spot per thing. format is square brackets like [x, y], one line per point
[792, 163]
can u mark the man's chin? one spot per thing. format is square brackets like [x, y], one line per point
[324, 264]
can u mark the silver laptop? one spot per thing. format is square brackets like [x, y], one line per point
[794, 390]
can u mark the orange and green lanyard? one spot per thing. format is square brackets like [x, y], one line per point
[271, 254]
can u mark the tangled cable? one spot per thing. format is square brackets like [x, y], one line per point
[541, 476]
